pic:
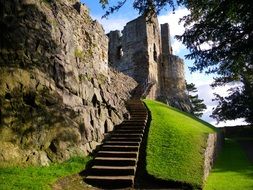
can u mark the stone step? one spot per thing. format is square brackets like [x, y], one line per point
[144, 119]
[128, 131]
[121, 143]
[132, 139]
[139, 116]
[138, 112]
[125, 148]
[118, 154]
[127, 135]
[133, 123]
[114, 161]
[112, 170]
[138, 109]
[125, 127]
[111, 181]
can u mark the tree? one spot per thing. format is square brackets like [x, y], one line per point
[219, 35]
[197, 104]
[238, 104]
[146, 7]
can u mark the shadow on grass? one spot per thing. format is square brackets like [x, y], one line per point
[234, 159]
[143, 180]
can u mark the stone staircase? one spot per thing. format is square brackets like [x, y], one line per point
[115, 163]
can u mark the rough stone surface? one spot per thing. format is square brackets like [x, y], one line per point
[173, 82]
[213, 146]
[136, 51]
[145, 54]
[58, 97]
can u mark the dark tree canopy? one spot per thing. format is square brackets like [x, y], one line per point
[239, 103]
[197, 104]
[146, 7]
[219, 35]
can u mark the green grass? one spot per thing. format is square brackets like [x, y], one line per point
[232, 169]
[32, 177]
[175, 144]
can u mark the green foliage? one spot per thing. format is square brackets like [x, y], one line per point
[148, 8]
[175, 143]
[197, 104]
[219, 37]
[239, 103]
[39, 177]
[232, 169]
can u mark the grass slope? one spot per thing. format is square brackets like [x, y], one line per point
[175, 144]
[232, 169]
[39, 177]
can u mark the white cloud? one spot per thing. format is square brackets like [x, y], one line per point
[175, 27]
[205, 92]
[229, 123]
[173, 20]
[111, 24]
[177, 46]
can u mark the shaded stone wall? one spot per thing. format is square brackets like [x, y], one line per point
[137, 51]
[154, 48]
[128, 53]
[214, 144]
[58, 97]
[171, 75]
[166, 42]
[172, 82]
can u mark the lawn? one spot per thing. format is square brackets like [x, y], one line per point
[175, 144]
[39, 177]
[232, 169]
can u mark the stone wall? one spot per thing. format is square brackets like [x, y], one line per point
[136, 52]
[128, 52]
[214, 144]
[58, 96]
[171, 75]
[172, 82]
[154, 55]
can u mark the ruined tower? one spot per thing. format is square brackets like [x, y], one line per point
[171, 74]
[143, 51]
[136, 52]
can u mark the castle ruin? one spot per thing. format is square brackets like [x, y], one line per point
[143, 51]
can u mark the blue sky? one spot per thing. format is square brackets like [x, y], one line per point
[202, 81]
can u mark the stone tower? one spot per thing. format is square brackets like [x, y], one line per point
[171, 74]
[144, 52]
[136, 52]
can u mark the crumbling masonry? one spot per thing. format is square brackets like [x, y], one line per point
[144, 52]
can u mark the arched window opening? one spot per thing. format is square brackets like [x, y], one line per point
[119, 53]
[155, 53]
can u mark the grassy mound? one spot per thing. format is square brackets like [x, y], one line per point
[39, 177]
[175, 144]
[232, 169]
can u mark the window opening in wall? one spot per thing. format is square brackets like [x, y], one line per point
[119, 53]
[155, 54]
